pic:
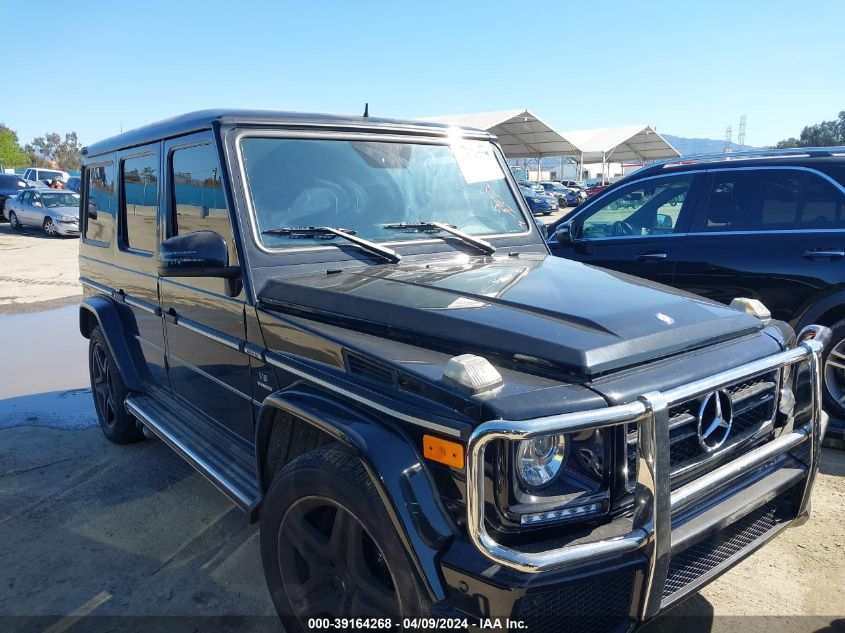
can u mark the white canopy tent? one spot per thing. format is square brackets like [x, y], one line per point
[637, 143]
[521, 133]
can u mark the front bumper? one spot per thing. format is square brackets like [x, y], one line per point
[66, 228]
[674, 542]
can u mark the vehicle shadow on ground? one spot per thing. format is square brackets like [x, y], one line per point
[129, 535]
[693, 615]
[831, 462]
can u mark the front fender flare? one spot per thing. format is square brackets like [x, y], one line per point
[107, 315]
[403, 481]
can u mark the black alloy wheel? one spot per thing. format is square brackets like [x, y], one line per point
[330, 565]
[329, 548]
[101, 384]
[109, 392]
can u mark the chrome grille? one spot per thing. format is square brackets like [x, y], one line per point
[754, 402]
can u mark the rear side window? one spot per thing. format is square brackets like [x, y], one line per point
[771, 199]
[823, 204]
[198, 199]
[100, 203]
[140, 203]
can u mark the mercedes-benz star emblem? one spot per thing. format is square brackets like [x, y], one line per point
[715, 419]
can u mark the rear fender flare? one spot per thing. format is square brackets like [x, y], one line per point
[399, 474]
[106, 313]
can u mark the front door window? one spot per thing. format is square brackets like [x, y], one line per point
[646, 208]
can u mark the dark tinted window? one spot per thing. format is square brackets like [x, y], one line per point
[100, 203]
[823, 205]
[648, 207]
[140, 202]
[771, 199]
[198, 193]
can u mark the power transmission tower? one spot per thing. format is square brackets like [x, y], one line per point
[729, 132]
[741, 138]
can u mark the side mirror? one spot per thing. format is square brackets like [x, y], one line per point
[664, 221]
[198, 254]
[564, 233]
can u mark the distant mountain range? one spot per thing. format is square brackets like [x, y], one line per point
[687, 146]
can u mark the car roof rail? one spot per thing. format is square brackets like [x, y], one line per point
[716, 157]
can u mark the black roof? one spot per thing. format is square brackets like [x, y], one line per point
[816, 160]
[206, 119]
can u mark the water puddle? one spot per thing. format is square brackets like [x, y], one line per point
[42, 352]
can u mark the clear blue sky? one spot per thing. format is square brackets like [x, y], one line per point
[688, 68]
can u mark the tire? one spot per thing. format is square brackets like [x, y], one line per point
[13, 220]
[49, 227]
[109, 392]
[314, 500]
[834, 376]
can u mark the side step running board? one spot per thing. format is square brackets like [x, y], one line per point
[218, 459]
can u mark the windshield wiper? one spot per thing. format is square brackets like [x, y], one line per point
[482, 245]
[328, 232]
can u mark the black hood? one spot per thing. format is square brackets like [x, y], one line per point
[582, 319]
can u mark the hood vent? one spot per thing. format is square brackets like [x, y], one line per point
[372, 370]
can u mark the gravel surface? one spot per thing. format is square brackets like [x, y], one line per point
[37, 269]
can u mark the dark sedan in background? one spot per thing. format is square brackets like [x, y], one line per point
[539, 203]
[566, 197]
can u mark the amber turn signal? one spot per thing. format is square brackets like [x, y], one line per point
[443, 451]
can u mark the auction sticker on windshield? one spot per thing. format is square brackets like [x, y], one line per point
[476, 161]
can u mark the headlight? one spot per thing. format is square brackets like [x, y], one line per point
[557, 477]
[539, 460]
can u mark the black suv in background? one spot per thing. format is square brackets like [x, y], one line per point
[10, 185]
[353, 328]
[764, 225]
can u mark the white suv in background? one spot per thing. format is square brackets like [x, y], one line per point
[45, 175]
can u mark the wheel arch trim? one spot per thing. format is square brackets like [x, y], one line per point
[105, 313]
[821, 307]
[393, 464]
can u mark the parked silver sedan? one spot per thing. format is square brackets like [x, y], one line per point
[56, 211]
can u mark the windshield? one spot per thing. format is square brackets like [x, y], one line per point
[53, 200]
[364, 186]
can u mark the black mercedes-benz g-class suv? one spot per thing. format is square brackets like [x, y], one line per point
[354, 329]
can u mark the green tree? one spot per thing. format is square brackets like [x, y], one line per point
[54, 152]
[11, 154]
[824, 134]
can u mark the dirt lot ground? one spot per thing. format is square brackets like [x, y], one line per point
[36, 269]
[91, 528]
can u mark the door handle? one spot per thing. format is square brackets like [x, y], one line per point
[652, 257]
[824, 253]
